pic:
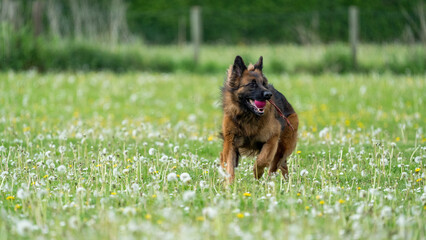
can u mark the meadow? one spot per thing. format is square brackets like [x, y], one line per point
[101, 155]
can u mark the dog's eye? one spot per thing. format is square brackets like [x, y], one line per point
[253, 83]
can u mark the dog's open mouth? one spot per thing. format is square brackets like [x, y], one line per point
[258, 106]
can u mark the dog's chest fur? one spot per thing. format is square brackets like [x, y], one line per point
[251, 134]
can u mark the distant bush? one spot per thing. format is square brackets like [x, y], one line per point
[22, 51]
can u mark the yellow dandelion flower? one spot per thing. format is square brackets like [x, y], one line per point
[418, 180]
[341, 201]
[307, 207]
[200, 218]
[318, 197]
[359, 188]
[174, 167]
[423, 140]
[210, 138]
[115, 165]
[177, 175]
[298, 194]
[113, 193]
[148, 216]
[314, 129]
[397, 139]
[360, 125]
[299, 152]
[154, 196]
[417, 169]
[17, 206]
[247, 194]
[26, 129]
[70, 165]
[99, 165]
[347, 122]
[10, 198]
[240, 215]
[322, 202]
[319, 214]
[424, 207]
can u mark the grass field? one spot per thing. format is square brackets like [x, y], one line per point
[135, 155]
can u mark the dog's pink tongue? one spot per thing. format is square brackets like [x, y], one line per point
[260, 104]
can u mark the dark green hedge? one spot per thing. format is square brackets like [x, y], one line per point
[270, 21]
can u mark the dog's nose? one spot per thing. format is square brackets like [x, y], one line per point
[267, 94]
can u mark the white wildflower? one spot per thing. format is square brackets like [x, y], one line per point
[81, 190]
[203, 185]
[171, 177]
[222, 173]
[304, 172]
[61, 169]
[135, 187]
[24, 227]
[22, 194]
[73, 222]
[188, 196]
[185, 177]
[386, 212]
[210, 212]
[176, 149]
[151, 151]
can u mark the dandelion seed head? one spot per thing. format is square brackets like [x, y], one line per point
[172, 177]
[185, 177]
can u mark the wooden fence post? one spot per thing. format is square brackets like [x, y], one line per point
[196, 31]
[37, 15]
[353, 33]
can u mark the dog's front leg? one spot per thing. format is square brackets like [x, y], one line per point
[229, 156]
[265, 157]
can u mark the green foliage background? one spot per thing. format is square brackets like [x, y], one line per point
[269, 21]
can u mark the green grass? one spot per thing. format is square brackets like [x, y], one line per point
[87, 155]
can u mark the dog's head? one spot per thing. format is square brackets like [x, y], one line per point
[249, 85]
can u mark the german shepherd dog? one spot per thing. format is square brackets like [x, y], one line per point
[253, 121]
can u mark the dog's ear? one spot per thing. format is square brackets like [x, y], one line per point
[236, 71]
[259, 64]
[238, 67]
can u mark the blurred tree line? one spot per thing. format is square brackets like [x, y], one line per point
[231, 22]
[307, 21]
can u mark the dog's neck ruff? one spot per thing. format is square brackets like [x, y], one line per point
[281, 114]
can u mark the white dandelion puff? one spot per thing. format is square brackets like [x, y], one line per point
[304, 172]
[222, 173]
[81, 190]
[171, 177]
[135, 187]
[22, 194]
[151, 151]
[176, 149]
[24, 227]
[188, 196]
[210, 212]
[185, 177]
[61, 169]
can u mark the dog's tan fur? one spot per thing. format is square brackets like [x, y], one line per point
[243, 132]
